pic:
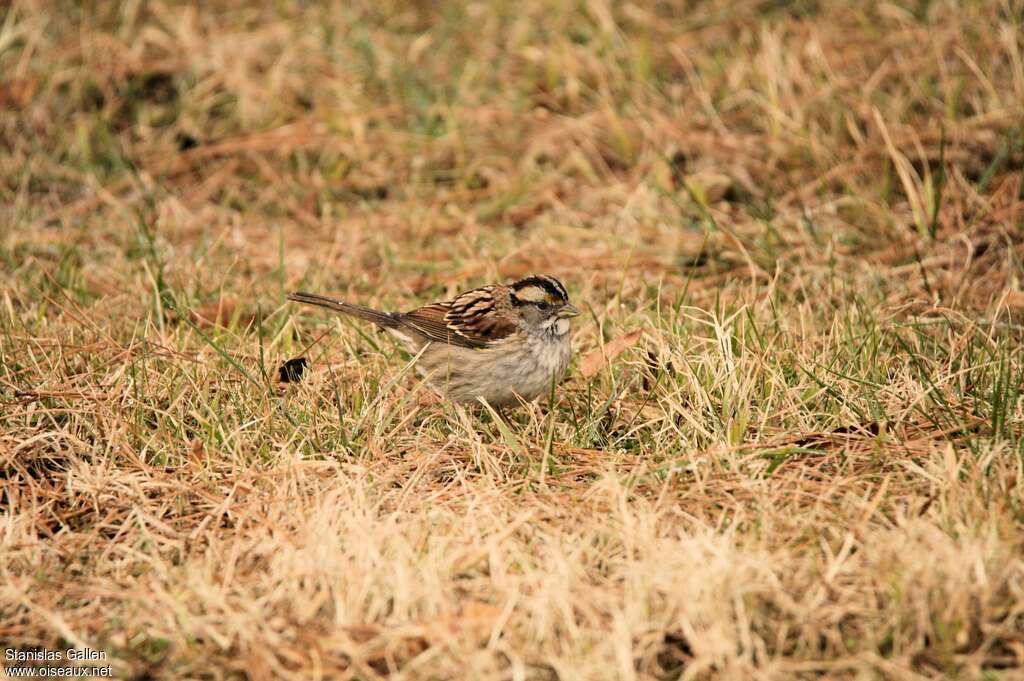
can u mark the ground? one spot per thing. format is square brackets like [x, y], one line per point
[790, 443]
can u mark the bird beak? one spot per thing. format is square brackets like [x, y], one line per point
[567, 311]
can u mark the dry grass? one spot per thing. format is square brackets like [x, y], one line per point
[807, 466]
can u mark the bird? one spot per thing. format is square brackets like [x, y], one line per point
[505, 344]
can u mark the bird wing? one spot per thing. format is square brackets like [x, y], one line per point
[468, 320]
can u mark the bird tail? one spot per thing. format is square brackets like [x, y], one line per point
[385, 320]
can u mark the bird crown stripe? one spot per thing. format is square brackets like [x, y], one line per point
[547, 284]
[556, 285]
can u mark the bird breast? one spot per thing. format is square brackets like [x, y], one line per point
[501, 374]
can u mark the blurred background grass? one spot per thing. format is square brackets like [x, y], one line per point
[806, 466]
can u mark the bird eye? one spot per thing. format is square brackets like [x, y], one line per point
[543, 305]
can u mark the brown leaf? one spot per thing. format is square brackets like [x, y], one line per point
[17, 93]
[214, 314]
[596, 359]
[1015, 299]
[362, 633]
[473, 620]
[198, 453]
[220, 314]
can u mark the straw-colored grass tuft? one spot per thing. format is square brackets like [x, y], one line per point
[792, 440]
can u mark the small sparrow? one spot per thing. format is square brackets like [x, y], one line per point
[500, 343]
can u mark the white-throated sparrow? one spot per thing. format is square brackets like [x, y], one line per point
[501, 343]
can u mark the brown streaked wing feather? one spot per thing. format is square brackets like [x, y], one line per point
[467, 320]
[431, 321]
[484, 330]
[472, 314]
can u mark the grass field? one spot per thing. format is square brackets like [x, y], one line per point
[790, 444]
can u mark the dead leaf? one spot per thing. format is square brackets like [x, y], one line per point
[596, 359]
[198, 453]
[362, 633]
[220, 314]
[214, 314]
[473, 620]
[427, 398]
[17, 93]
[1015, 299]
